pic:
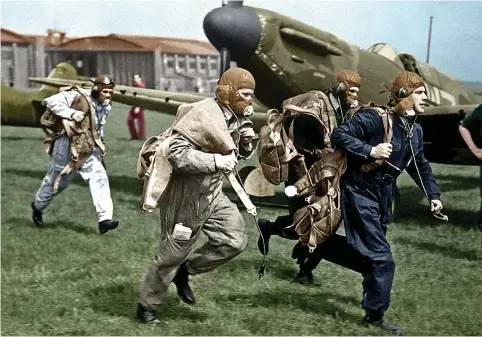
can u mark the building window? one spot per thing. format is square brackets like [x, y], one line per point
[181, 63]
[192, 64]
[204, 65]
[214, 66]
[170, 64]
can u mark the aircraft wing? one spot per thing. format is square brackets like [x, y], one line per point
[152, 99]
[449, 110]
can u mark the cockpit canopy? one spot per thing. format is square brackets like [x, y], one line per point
[387, 51]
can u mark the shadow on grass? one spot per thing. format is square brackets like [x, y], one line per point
[323, 303]
[54, 224]
[470, 254]
[460, 218]
[130, 185]
[122, 300]
[421, 212]
[18, 138]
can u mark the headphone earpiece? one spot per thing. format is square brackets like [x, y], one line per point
[102, 80]
[339, 89]
[402, 93]
[95, 92]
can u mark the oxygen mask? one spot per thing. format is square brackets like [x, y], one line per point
[354, 104]
[248, 111]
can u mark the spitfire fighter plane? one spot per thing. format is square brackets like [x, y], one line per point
[288, 57]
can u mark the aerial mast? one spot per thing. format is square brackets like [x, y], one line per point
[429, 38]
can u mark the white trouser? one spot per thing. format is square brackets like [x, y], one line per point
[92, 171]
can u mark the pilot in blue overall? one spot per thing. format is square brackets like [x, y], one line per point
[367, 195]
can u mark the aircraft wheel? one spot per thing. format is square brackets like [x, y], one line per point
[244, 173]
[255, 183]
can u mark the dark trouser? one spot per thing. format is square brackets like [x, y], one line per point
[366, 211]
[336, 250]
[283, 221]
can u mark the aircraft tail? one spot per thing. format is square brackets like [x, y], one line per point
[62, 70]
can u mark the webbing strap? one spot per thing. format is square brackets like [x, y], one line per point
[387, 120]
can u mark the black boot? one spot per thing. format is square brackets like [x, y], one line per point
[379, 323]
[36, 216]
[264, 227]
[145, 316]
[181, 280]
[298, 252]
[304, 277]
[107, 225]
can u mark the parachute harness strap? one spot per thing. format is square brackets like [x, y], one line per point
[253, 212]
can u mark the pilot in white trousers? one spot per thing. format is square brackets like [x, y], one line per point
[92, 170]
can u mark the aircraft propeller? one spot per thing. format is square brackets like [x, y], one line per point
[234, 30]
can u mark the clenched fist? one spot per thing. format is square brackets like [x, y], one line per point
[225, 163]
[381, 151]
[436, 206]
[247, 136]
[77, 116]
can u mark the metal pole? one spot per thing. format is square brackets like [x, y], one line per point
[429, 38]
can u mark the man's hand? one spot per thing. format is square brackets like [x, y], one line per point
[477, 152]
[436, 206]
[225, 163]
[247, 136]
[77, 116]
[381, 151]
[323, 152]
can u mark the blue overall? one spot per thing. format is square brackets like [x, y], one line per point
[367, 198]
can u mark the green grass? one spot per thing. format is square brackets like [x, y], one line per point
[66, 279]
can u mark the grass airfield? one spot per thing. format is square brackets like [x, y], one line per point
[66, 279]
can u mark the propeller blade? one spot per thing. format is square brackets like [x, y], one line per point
[225, 60]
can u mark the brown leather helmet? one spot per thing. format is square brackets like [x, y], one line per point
[229, 84]
[405, 83]
[101, 82]
[401, 91]
[342, 83]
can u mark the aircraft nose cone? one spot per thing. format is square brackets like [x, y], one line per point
[237, 29]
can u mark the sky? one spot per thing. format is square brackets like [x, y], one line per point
[456, 42]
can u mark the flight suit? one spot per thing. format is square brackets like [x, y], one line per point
[92, 170]
[195, 199]
[367, 198]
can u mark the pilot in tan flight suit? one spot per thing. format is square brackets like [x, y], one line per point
[206, 141]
